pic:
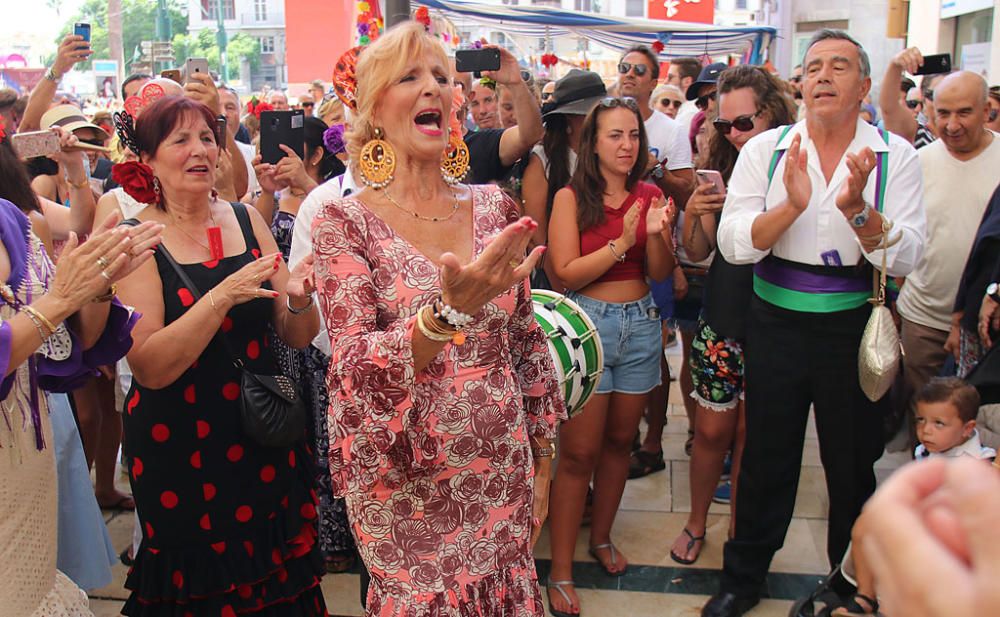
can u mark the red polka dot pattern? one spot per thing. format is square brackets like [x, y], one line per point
[185, 295]
[205, 522]
[276, 556]
[244, 591]
[231, 391]
[244, 514]
[178, 579]
[161, 433]
[291, 458]
[189, 397]
[219, 547]
[136, 468]
[308, 511]
[253, 350]
[149, 530]
[227, 611]
[248, 547]
[203, 429]
[208, 490]
[255, 253]
[196, 459]
[169, 499]
[227, 324]
[235, 453]
[267, 474]
[133, 402]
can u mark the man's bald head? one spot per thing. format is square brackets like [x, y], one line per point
[961, 112]
[963, 82]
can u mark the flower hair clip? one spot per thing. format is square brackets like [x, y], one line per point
[3, 131]
[138, 181]
[345, 82]
[333, 139]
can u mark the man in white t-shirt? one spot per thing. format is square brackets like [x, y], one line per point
[682, 73]
[670, 165]
[960, 176]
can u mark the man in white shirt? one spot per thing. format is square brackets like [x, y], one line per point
[835, 179]
[960, 175]
[670, 163]
[682, 73]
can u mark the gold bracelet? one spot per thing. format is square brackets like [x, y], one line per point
[428, 331]
[112, 292]
[38, 326]
[39, 319]
[211, 299]
[78, 185]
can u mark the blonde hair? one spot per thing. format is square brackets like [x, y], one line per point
[664, 88]
[380, 65]
[329, 107]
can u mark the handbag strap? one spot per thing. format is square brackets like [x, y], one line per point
[195, 292]
[881, 171]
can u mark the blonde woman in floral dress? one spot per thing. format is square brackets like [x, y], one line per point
[440, 438]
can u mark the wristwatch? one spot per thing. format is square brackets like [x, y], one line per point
[993, 291]
[657, 171]
[860, 219]
[52, 76]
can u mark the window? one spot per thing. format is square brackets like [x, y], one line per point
[741, 5]
[260, 10]
[267, 45]
[208, 9]
[583, 5]
[499, 39]
[635, 8]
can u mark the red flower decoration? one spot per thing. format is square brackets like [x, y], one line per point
[137, 180]
[657, 47]
[423, 16]
[549, 60]
[262, 106]
[3, 133]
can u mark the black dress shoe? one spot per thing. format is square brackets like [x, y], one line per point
[726, 604]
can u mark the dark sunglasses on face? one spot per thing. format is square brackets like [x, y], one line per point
[671, 103]
[702, 101]
[740, 123]
[625, 67]
[913, 103]
[308, 104]
[620, 101]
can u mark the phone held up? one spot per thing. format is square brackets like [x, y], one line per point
[281, 128]
[713, 178]
[82, 29]
[35, 144]
[173, 75]
[194, 66]
[934, 64]
[476, 61]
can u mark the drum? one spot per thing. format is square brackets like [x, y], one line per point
[574, 346]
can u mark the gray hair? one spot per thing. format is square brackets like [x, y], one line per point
[827, 34]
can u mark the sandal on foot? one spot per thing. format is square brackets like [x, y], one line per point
[614, 558]
[644, 463]
[854, 609]
[558, 586]
[692, 540]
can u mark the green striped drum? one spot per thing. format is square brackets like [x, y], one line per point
[574, 346]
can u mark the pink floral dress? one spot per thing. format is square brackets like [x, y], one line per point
[435, 466]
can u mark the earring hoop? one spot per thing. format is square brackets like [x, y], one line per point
[455, 160]
[377, 162]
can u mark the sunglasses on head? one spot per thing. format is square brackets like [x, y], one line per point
[913, 103]
[671, 103]
[625, 67]
[740, 123]
[620, 101]
[702, 101]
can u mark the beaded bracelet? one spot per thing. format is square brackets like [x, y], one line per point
[431, 328]
[455, 318]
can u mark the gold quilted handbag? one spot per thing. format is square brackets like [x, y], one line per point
[880, 352]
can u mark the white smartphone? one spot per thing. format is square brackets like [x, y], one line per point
[195, 65]
[35, 144]
[712, 177]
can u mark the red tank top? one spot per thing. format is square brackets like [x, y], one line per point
[596, 238]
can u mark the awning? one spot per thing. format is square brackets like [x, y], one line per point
[618, 33]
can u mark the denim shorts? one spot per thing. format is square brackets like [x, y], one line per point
[630, 337]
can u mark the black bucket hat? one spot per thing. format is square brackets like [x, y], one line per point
[576, 93]
[709, 76]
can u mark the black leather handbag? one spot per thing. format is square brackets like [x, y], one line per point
[272, 411]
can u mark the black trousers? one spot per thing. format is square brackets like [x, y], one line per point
[795, 359]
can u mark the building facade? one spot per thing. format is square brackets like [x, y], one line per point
[962, 28]
[263, 20]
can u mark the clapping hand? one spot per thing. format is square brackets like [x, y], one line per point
[658, 217]
[798, 185]
[302, 280]
[502, 264]
[630, 225]
[860, 166]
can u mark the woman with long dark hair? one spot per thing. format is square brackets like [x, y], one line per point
[553, 161]
[609, 231]
[750, 101]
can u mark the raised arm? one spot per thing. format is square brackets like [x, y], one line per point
[895, 116]
[73, 49]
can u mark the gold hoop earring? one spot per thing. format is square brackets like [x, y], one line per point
[455, 160]
[378, 162]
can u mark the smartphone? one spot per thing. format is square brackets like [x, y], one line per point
[172, 74]
[193, 66]
[935, 63]
[221, 126]
[711, 177]
[82, 29]
[279, 128]
[477, 60]
[35, 144]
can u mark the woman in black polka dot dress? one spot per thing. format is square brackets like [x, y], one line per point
[228, 525]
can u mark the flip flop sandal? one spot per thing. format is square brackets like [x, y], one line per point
[644, 463]
[125, 503]
[854, 609]
[614, 558]
[558, 585]
[690, 545]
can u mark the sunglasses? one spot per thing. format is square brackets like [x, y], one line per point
[671, 103]
[527, 77]
[546, 96]
[93, 142]
[740, 123]
[308, 104]
[702, 101]
[625, 67]
[611, 102]
[913, 103]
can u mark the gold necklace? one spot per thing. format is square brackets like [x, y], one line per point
[432, 219]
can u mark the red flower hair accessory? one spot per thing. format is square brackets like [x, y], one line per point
[345, 82]
[657, 47]
[138, 181]
[549, 60]
[423, 16]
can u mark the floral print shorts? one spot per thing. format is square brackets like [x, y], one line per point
[716, 369]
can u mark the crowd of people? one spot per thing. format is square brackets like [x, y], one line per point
[335, 358]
